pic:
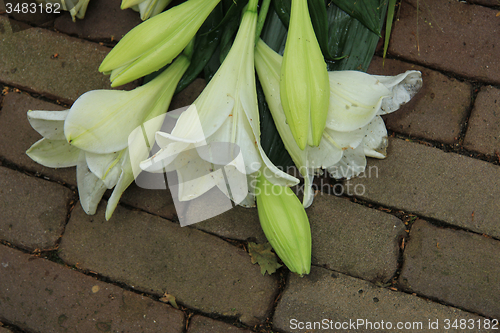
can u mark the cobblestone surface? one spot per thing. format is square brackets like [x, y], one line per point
[199, 324]
[46, 297]
[457, 267]
[450, 37]
[353, 239]
[32, 211]
[324, 294]
[429, 182]
[483, 134]
[156, 256]
[443, 167]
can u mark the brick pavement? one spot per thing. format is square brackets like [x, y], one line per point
[417, 240]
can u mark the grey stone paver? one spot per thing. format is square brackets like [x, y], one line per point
[200, 324]
[483, 133]
[353, 239]
[104, 20]
[155, 255]
[17, 135]
[437, 112]
[28, 61]
[457, 267]
[42, 296]
[331, 296]
[4, 330]
[431, 183]
[32, 211]
[452, 36]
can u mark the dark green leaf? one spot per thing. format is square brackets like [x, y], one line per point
[348, 37]
[368, 12]
[388, 25]
[207, 40]
[269, 137]
[319, 19]
[283, 8]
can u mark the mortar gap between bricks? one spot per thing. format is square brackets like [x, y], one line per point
[31, 173]
[10, 326]
[233, 321]
[242, 244]
[456, 148]
[464, 124]
[409, 217]
[8, 89]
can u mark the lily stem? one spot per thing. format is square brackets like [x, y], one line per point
[264, 8]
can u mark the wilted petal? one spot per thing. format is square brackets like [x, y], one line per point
[54, 153]
[375, 142]
[355, 98]
[353, 162]
[403, 87]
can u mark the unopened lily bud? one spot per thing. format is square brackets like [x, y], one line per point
[285, 224]
[304, 86]
[155, 42]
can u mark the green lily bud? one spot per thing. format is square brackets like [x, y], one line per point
[304, 86]
[155, 42]
[285, 224]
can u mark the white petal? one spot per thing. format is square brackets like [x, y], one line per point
[403, 87]
[54, 153]
[375, 142]
[325, 155]
[353, 162]
[50, 124]
[126, 178]
[106, 167]
[355, 98]
[90, 188]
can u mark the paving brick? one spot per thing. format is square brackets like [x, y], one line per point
[28, 62]
[104, 20]
[4, 330]
[200, 324]
[454, 266]
[437, 112]
[452, 36]
[17, 135]
[154, 255]
[431, 183]
[483, 133]
[33, 211]
[332, 296]
[489, 3]
[353, 239]
[41, 296]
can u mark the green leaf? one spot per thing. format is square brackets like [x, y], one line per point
[368, 12]
[388, 25]
[319, 19]
[167, 298]
[261, 254]
[282, 9]
[349, 38]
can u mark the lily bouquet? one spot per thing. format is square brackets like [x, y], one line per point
[308, 108]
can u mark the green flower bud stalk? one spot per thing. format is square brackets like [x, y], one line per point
[155, 42]
[304, 86]
[285, 224]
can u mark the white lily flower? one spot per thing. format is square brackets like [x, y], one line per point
[225, 112]
[147, 8]
[354, 126]
[102, 120]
